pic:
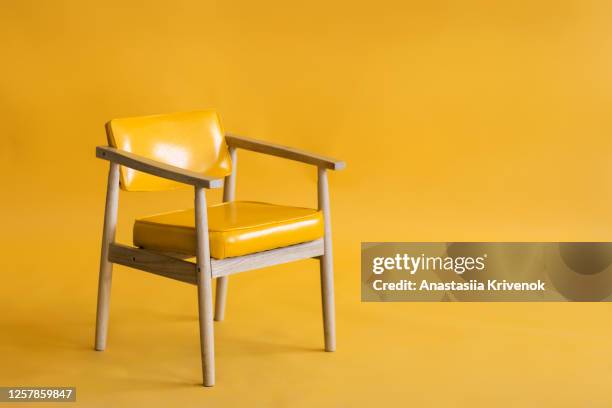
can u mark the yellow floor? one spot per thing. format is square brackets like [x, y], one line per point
[459, 120]
[269, 349]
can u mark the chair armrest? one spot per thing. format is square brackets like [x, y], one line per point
[283, 151]
[156, 168]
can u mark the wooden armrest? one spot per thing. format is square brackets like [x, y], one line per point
[283, 151]
[156, 168]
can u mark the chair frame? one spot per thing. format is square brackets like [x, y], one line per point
[175, 266]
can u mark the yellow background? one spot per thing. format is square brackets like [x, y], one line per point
[459, 120]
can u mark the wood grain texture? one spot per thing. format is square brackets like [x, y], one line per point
[229, 266]
[327, 266]
[204, 275]
[229, 194]
[153, 262]
[156, 168]
[173, 265]
[229, 184]
[106, 267]
[283, 151]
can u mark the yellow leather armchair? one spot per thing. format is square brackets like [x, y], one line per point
[161, 152]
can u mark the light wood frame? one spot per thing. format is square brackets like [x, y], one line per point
[201, 273]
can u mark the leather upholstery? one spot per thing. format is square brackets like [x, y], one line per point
[190, 140]
[235, 228]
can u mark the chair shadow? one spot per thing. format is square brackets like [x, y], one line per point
[240, 346]
[72, 342]
[239, 343]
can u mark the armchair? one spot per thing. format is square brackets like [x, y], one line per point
[163, 151]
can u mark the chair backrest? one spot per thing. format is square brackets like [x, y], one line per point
[190, 140]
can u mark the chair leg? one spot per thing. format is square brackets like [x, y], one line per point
[327, 297]
[205, 306]
[229, 193]
[326, 266]
[106, 267]
[207, 341]
[221, 298]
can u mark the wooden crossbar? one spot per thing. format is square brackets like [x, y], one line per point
[175, 266]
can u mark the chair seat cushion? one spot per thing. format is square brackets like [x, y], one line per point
[235, 228]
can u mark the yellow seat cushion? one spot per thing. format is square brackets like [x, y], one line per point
[235, 228]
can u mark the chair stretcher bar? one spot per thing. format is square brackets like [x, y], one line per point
[173, 267]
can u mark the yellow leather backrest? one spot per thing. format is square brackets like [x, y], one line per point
[190, 140]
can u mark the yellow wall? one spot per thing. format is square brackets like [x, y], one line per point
[464, 120]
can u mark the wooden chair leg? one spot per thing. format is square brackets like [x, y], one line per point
[326, 266]
[106, 267]
[221, 298]
[229, 193]
[205, 306]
